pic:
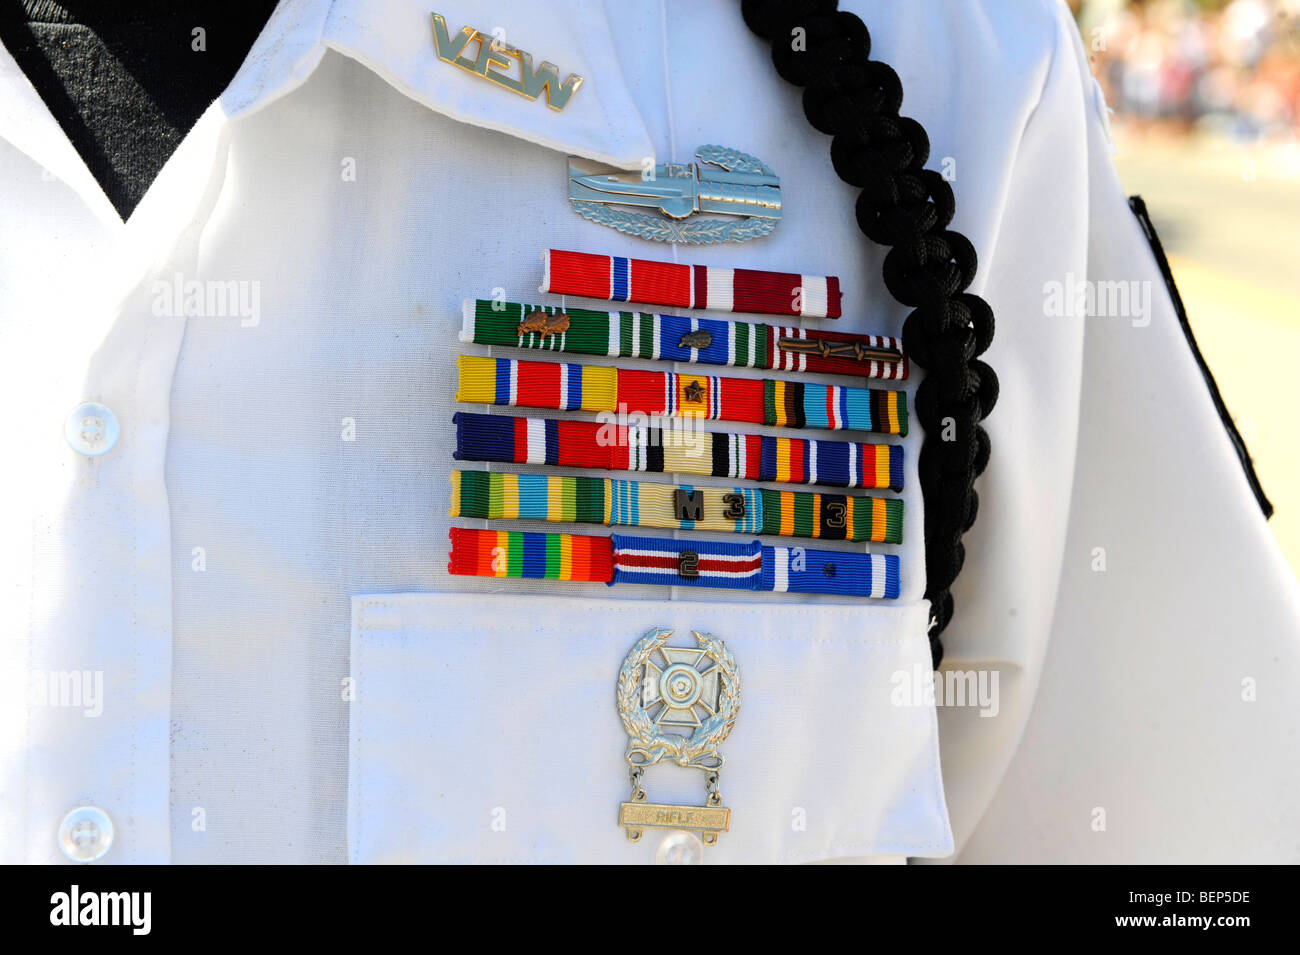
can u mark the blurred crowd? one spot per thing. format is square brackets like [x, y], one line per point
[1230, 67]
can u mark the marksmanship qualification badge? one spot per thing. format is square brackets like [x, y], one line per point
[678, 704]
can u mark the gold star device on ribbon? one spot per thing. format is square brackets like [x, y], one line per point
[677, 703]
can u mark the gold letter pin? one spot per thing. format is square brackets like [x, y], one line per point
[491, 57]
[662, 690]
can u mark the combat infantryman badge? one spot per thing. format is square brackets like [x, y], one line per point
[732, 184]
[661, 690]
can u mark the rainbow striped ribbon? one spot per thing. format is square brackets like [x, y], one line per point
[708, 341]
[477, 553]
[618, 447]
[614, 502]
[567, 387]
[677, 563]
[616, 278]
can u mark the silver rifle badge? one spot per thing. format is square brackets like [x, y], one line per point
[677, 703]
[725, 181]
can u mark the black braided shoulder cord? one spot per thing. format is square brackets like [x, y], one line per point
[928, 267]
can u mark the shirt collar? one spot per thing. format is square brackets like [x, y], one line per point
[28, 125]
[394, 38]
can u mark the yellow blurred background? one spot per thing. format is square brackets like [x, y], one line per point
[1206, 116]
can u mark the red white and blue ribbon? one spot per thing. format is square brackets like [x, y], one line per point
[753, 566]
[615, 278]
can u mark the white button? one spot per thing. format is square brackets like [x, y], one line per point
[91, 429]
[680, 848]
[86, 834]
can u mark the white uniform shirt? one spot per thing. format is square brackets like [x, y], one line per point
[249, 589]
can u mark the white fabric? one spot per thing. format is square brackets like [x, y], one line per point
[531, 771]
[1159, 720]
[280, 459]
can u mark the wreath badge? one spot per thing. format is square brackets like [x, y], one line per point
[726, 182]
[677, 704]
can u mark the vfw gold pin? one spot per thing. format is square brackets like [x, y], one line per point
[495, 62]
[677, 703]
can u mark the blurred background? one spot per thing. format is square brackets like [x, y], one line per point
[1205, 100]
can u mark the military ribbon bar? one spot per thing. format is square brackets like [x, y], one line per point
[674, 563]
[614, 502]
[616, 447]
[567, 387]
[707, 341]
[615, 278]
[476, 553]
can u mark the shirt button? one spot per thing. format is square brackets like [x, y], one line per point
[86, 834]
[91, 429]
[680, 848]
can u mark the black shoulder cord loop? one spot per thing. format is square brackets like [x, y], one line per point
[907, 208]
